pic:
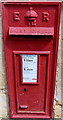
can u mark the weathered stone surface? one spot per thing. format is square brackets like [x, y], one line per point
[4, 107]
[62, 75]
[57, 111]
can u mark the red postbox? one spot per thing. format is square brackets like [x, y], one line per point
[31, 33]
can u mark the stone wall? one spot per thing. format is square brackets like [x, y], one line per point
[4, 98]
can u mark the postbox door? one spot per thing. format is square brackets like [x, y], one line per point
[31, 80]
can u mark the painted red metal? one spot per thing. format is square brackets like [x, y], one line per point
[31, 16]
[31, 32]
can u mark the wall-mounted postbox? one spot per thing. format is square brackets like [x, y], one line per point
[31, 32]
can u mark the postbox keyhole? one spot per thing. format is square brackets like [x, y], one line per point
[24, 89]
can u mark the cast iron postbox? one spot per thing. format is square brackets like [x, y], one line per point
[31, 32]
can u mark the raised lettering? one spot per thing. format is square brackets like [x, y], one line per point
[16, 16]
[45, 17]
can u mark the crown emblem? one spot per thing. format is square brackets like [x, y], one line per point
[31, 17]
